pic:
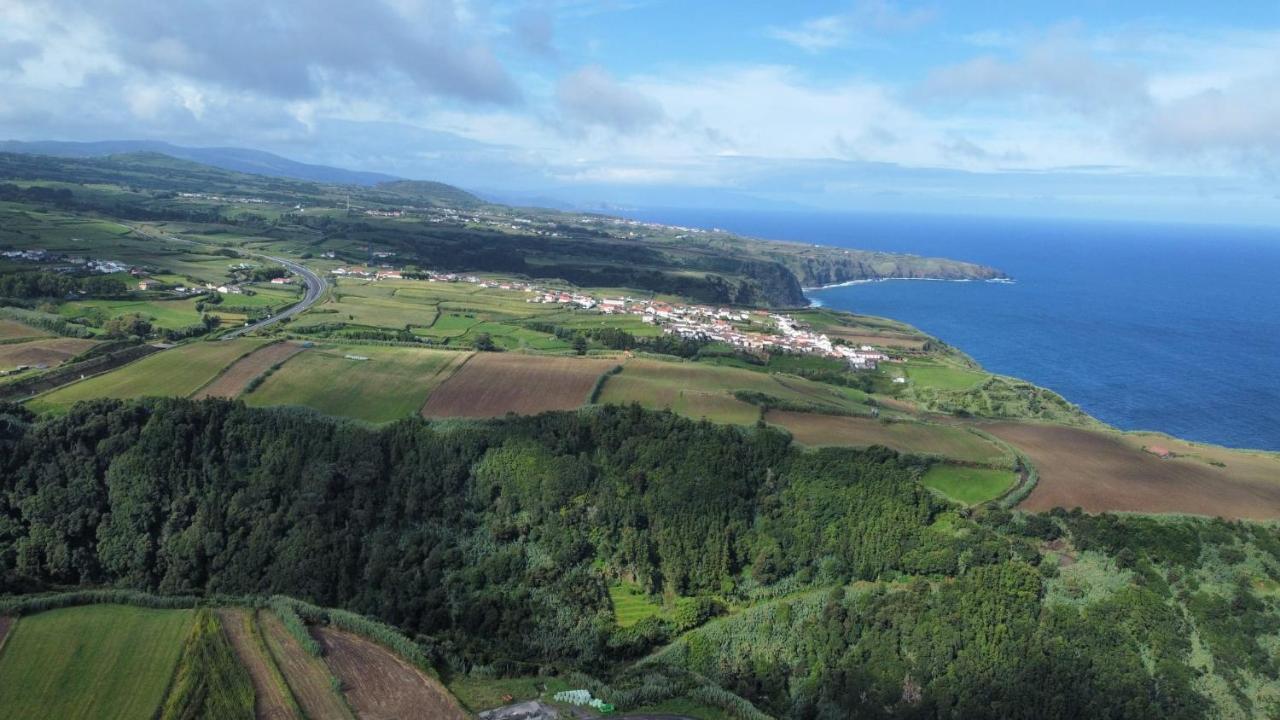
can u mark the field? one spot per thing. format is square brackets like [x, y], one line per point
[378, 684]
[53, 351]
[630, 604]
[168, 314]
[97, 661]
[233, 380]
[912, 437]
[11, 330]
[391, 384]
[174, 373]
[707, 391]
[493, 384]
[272, 700]
[942, 376]
[308, 678]
[1102, 471]
[968, 485]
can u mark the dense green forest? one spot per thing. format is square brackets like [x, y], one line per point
[826, 583]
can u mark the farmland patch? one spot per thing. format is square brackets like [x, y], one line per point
[493, 384]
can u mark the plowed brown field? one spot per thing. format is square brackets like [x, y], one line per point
[494, 384]
[233, 380]
[53, 351]
[271, 700]
[379, 685]
[307, 676]
[1100, 471]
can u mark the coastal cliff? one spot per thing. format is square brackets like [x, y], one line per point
[819, 266]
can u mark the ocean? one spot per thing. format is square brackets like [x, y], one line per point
[1174, 328]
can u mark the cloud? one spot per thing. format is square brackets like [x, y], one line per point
[1238, 122]
[1058, 69]
[592, 97]
[868, 17]
[292, 50]
[534, 29]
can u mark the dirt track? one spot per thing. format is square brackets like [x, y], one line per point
[270, 700]
[381, 686]
[1100, 472]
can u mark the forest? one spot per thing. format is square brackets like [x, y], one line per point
[824, 583]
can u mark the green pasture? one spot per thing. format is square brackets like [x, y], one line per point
[95, 661]
[391, 384]
[943, 376]
[968, 485]
[176, 313]
[704, 390]
[170, 373]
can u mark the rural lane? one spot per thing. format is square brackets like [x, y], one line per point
[315, 288]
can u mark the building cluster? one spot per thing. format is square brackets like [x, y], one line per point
[225, 199]
[105, 267]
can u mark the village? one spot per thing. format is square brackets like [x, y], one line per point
[754, 331]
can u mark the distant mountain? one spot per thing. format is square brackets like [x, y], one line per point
[242, 160]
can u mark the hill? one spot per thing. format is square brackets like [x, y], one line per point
[242, 160]
[442, 227]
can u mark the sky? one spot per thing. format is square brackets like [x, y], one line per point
[1138, 110]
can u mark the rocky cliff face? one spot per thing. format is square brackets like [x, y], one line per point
[828, 266]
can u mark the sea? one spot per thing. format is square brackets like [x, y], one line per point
[1173, 328]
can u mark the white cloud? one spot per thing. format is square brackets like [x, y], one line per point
[592, 97]
[865, 18]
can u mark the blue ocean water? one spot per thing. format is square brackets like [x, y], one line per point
[1173, 328]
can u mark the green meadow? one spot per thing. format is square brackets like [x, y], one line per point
[392, 383]
[968, 485]
[170, 373]
[96, 661]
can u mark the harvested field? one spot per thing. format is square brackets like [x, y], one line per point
[272, 700]
[905, 342]
[307, 677]
[911, 437]
[12, 330]
[233, 380]
[1103, 471]
[494, 384]
[380, 685]
[51, 352]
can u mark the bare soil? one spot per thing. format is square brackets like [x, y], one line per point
[235, 378]
[379, 685]
[271, 701]
[51, 352]
[308, 678]
[1101, 471]
[494, 384]
[10, 329]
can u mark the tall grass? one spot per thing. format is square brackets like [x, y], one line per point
[210, 681]
[30, 604]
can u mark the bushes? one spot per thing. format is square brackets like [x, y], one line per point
[29, 604]
[45, 321]
[598, 388]
[210, 681]
[286, 609]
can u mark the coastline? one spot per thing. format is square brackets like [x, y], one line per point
[849, 283]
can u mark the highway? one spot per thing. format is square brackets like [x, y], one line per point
[315, 288]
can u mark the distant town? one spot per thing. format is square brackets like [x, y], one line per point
[749, 330]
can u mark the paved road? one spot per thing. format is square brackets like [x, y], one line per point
[315, 288]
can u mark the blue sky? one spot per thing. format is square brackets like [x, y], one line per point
[1138, 110]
